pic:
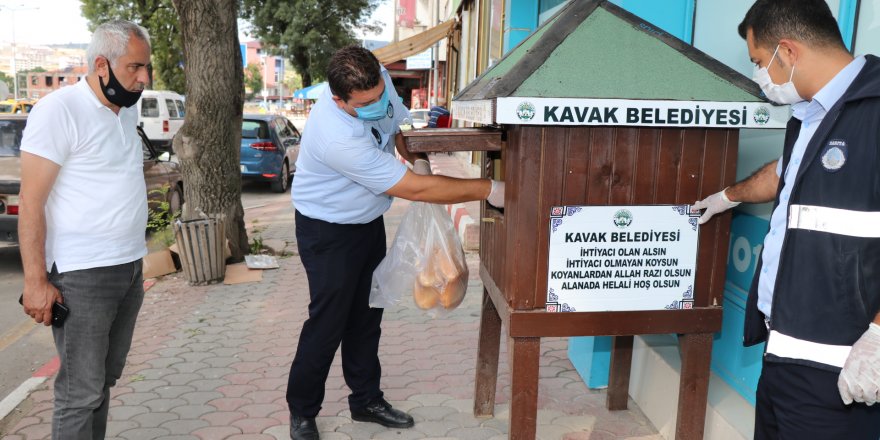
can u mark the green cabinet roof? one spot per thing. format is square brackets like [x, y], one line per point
[595, 49]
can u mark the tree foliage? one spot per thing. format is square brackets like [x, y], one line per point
[253, 80]
[307, 32]
[160, 19]
[7, 79]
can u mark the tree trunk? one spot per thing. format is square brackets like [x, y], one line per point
[300, 60]
[208, 144]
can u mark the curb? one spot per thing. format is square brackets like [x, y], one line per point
[464, 224]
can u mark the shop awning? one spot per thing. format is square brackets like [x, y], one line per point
[413, 45]
[311, 92]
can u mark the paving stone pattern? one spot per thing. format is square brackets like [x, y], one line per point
[212, 362]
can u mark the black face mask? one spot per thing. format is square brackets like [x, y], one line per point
[115, 93]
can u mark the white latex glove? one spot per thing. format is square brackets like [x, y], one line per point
[859, 380]
[714, 204]
[422, 166]
[496, 194]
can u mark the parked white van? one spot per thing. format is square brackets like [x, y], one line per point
[161, 115]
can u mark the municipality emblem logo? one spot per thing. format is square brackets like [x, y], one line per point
[834, 155]
[623, 218]
[762, 115]
[525, 111]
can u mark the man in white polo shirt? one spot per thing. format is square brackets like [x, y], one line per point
[82, 219]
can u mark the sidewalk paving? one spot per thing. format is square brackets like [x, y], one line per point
[211, 363]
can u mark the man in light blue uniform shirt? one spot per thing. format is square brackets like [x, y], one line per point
[347, 176]
[816, 297]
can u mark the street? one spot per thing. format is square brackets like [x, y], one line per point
[24, 345]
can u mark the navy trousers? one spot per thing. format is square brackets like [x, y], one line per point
[339, 261]
[796, 402]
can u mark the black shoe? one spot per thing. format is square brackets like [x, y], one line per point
[382, 413]
[303, 428]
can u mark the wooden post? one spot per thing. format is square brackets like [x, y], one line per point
[487, 359]
[618, 377]
[693, 390]
[524, 353]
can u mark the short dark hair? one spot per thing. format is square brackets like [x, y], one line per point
[809, 21]
[352, 68]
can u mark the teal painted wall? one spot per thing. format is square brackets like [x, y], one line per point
[737, 365]
[520, 20]
[673, 16]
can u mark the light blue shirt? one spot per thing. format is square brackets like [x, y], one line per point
[811, 115]
[345, 164]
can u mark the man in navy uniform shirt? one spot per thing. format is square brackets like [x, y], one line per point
[816, 294]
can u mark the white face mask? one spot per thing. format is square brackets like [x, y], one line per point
[778, 93]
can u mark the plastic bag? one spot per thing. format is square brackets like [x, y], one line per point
[425, 263]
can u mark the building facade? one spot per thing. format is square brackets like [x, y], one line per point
[419, 75]
[40, 84]
[271, 68]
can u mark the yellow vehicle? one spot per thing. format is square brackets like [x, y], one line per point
[18, 107]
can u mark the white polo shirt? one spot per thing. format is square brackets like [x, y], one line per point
[96, 213]
[345, 164]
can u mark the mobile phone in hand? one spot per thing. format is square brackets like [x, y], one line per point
[59, 312]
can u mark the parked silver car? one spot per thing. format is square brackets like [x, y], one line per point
[159, 173]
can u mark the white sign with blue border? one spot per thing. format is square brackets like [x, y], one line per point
[420, 61]
[617, 258]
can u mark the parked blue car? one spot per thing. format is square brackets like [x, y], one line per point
[269, 147]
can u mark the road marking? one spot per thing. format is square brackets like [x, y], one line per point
[49, 368]
[15, 333]
[16, 397]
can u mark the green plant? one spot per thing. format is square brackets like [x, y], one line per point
[256, 244]
[160, 218]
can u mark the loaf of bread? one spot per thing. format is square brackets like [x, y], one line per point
[426, 297]
[453, 292]
[442, 280]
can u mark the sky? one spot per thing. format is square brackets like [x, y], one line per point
[43, 22]
[61, 21]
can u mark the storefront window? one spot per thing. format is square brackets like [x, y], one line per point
[547, 5]
[547, 8]
[868, 36]
[496, 31]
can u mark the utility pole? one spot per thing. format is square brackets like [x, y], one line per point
[436, 57]
[13, 10]
[395, 22]
[265, 63]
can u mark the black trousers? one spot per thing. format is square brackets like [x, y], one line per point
[796, 402]
[339, 261]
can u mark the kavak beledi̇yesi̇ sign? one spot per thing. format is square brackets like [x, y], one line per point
[615, 258]
[640, 113]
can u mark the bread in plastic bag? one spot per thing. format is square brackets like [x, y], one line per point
[425, 262]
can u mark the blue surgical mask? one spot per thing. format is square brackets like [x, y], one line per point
[377, 110]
